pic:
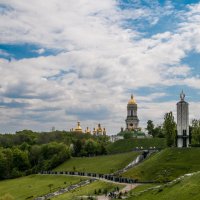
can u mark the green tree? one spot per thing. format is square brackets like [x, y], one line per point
[128, 135]
[77, 147]
[6, 163]
[158, 132]
[20, 159]
[91, 147]
[196, 132]
[50, 186]
[150, 127]
[169, 127]
[35, 154]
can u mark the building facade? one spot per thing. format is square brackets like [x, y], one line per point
[132, 121]
[183, 136]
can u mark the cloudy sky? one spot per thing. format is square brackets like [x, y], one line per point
[67, 60]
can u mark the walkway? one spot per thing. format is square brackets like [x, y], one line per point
[64, 190]
[127, 188]
[129, 185]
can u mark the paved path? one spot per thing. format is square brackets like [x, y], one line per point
[127, 188]
[64, 190]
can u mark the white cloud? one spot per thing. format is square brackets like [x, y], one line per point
[100, 61]
[39, 51]
[3, 53]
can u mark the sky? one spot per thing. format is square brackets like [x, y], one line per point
[63, 61]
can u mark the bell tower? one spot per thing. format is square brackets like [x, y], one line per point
[132, 120]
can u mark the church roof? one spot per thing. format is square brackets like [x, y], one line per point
[78, 128]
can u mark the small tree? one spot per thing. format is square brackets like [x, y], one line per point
[169, 127]
[158, 132]
[196, 132]
[74, 168]
[50, 186]
[150, 127]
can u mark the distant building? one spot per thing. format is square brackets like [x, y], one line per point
[183, 136]
[96, 131]
[99, 130]
[78, 129]
[132, 129]
[87, 130]
[132, 120]
[114, 138]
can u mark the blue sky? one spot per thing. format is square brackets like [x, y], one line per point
[65, 61]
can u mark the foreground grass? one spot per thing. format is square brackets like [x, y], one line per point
[186, 189]
[129, 144]
[88, 190]
[167, 165]
[33, 186]
[98, 164]
[143, 187]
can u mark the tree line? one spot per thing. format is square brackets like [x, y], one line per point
[28, 152]
[168, 130]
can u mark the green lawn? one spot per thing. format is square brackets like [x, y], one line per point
[98, 164]
[129, 144]
[88, 190]
[35, 185]
[186, 189]
[167, 165]
[143, 187]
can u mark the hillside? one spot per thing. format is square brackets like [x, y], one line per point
[32, 186]
[185, 189]
[98, 164]
[167, 165]
[130, 144]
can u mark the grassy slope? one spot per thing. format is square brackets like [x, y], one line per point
[129, 144]
[167, 164]
[98, 164]
[186, 189]
[88, 190]
[34, 185]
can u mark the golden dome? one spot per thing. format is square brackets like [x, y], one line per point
[99, 129]
[132, 100]
[87, 130]
[94, 131]
[78, 128]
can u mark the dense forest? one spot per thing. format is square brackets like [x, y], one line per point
[28, 152]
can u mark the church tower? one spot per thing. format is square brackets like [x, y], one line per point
[132, 120]
[182, 122]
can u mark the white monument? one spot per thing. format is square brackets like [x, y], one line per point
[182, 122]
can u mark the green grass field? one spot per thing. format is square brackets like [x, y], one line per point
[143, 187]
[167, 165]
[129, 144]
[88, 190]
[35, 185]
[186, 189]
[98, 164]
